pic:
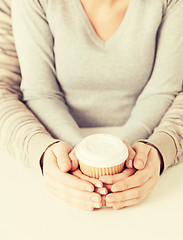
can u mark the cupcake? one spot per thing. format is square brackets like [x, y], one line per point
[101, 154]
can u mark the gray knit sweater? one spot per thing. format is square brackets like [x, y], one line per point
[71, 78]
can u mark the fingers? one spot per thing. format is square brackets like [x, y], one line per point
[131, 155]
[133, 181]
[108, 187]
[70, 188]
[101, 191]
[74, 160]
[51, 169]
[120, 205]
[111, 179]
[142, 151]
[75, 197]
[129, 193]
[132, 196]
[151, 169]
[96, 182]
[134, 189]
[61, 152]
[79, 203]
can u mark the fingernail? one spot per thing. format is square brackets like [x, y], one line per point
[114, 189]
[95, 199]
[90, 208]
[73, 164]
[102, 191]
[98, 185]
[130, 162]
[97, 205]
[89, 188]
[140, 163]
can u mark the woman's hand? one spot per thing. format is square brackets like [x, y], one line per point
[132, 190]
[57, 160]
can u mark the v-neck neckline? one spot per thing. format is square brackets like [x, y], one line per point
[92, 31]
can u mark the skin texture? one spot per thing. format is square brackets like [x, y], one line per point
[132, 190]
[63, 178]
[58, 160]
[105, 16]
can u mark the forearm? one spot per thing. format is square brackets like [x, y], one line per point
[168, 136]
[19, 129]
[55, 116]
[41, 89]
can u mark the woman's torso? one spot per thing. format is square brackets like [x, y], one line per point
[101, 79]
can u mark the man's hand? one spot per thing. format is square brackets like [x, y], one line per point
[132, 190]
[58, 159]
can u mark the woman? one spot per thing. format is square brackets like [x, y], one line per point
[133, 57]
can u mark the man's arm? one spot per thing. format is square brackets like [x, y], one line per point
[41, 89]
[168, 136]
[20, 132]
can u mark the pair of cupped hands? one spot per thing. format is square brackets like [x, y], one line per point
[64, 179]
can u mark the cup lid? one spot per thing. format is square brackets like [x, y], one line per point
[101, 150]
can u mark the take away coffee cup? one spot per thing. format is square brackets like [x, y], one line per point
[101, 154]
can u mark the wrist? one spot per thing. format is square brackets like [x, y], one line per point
[161, 162]
[42, 156]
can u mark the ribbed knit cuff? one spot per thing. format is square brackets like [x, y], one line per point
[37, 145]
[166, 146]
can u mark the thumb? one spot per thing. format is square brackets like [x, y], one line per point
[74, 160]
[131, 155]
[64, 163]
[61, 151]
[142, 151]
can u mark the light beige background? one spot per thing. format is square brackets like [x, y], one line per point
[29, 212]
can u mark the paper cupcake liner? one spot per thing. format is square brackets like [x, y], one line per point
[98, 172]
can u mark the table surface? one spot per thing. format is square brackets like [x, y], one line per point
[29, 212]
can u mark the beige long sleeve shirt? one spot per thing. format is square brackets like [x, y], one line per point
[21, 133]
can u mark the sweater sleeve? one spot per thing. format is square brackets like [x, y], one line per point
[168, 136]
[42, 92]
[20, 132]
[166, 78]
